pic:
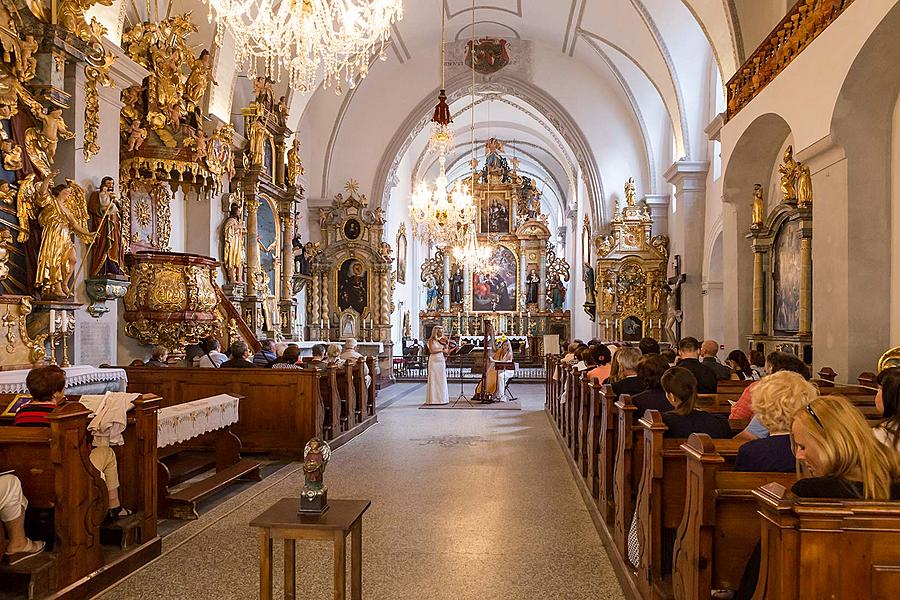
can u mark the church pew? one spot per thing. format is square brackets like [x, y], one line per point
[370, 398]
[814, 549]
[347, 394]
[627, 463]
[660, 499]
[281, 409]
[53, 466]
[719, 528]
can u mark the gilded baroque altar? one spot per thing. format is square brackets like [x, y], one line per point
[631, 287]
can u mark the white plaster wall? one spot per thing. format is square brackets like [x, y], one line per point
[758, 18]
[397, 213]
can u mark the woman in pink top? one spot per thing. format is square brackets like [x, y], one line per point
[603, 359]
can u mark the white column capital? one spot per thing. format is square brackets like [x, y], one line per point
[688, 175]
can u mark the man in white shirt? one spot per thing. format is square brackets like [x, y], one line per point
[212, 358]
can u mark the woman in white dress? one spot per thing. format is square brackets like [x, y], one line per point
[436, 392]
[504, 354]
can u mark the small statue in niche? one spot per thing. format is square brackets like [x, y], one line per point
[804, 186]
[314, 497]
[107, 253]
[589, 283]
[758, 207]
[456, 285]
[609, 296]
[433, 294]
[281, 110]
[660, 290]
[257, 139]
[532, 285]
[233, 259]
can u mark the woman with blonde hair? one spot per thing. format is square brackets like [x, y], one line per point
[438, 347]
[334, 355]
[775, 399]
[835, 444]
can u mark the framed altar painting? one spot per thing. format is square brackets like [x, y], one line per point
[496, 292]
[495, 213]
[401, 254]
[786, 289]
[352, 286]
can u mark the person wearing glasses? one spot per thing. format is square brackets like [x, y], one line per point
[887, 400]
[775, 400]
[844, 460]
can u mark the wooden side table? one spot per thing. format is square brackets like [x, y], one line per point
[282, 520]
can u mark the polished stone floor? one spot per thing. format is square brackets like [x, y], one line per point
[466, 504]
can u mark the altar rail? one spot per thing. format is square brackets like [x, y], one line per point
[793, 34]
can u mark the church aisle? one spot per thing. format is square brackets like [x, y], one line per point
[465, 504]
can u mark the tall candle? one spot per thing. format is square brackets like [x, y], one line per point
[52, 321]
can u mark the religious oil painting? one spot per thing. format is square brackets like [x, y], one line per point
[267, 241]
[401, 254]
[352, 286]
[787, 279]
[632, 329]
[496, 292]
[495, 214]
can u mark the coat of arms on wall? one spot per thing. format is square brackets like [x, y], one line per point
[491, 55]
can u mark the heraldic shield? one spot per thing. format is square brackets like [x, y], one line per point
[491, 55]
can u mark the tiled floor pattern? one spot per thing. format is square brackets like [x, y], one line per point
[466, 504]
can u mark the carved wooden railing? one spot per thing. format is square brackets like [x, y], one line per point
[235, 324]
[793, 34]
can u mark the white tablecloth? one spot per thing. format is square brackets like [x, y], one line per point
[79, 380]
[185, 421]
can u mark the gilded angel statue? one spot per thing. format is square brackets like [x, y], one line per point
[198, 80]
[63, 212]
[41, 144]
[25, 199]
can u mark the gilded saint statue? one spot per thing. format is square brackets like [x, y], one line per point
[294, 165]
[233, 259]
[107, 253]
[629, 191]
[198, 80]
[804, 186]
[788, 170]
[62, 213]
[257, 140]
[759, 207]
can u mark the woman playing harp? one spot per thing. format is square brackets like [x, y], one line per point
[493, 383]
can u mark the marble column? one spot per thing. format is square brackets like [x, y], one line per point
[523, 275]
[447, 280]
[252, 245]
[759, 287]
[314, 300]
[287, 255]
[686, 233]
[542, 286]
[806, 283]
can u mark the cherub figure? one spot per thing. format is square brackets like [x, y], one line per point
[26, 64]
[12, 155]
[136, 136]
[53, 126]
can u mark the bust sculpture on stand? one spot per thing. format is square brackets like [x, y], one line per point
[314, 498]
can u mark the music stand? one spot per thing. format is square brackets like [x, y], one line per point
[463, 350]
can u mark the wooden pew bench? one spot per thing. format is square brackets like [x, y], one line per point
[58, 479]
[206, 421]
[719, 528]
[814, 549]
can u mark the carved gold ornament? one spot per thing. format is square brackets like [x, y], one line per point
[95, 75]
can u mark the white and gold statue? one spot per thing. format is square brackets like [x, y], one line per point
[759, 207]
[233, 259]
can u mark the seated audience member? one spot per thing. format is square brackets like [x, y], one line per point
[758, 363]
[580, 353]
[266, 355]
[709, 356]
[775, 400]
[684, 419]
[12, 512]
[212, 357]
[569, 357]
[629, 382]
[350, 353]
[280, 347]
[240, 357]
[333, 354]
[648, 345]
[688, 358]
[776, 361]
[614, 374]
[833, 441]
[158, 358]
[669, 355]
[650, 369]
[289, 359]
[46, 386]
[600, 362]
[887, 400]
[740, 366]
[318, 358]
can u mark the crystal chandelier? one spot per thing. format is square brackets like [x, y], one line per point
[298, 37]
[439, 217]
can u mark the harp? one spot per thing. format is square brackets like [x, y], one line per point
[487, 387]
